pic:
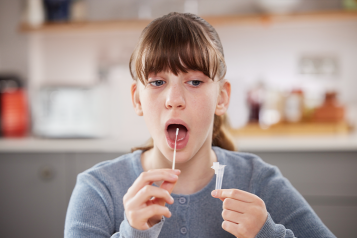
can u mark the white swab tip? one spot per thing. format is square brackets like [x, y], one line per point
[177, 130]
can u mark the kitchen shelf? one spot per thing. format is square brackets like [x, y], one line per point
[133, 24]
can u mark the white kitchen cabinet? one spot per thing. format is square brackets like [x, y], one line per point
[32, 195]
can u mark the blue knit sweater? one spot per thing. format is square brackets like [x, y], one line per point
[96, 206]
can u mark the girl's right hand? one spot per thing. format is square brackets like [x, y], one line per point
[144, 204]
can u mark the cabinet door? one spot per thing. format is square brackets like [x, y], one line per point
[32, 197]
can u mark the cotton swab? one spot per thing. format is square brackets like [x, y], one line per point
[173, 163]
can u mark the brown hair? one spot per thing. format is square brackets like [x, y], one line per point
[179, 42]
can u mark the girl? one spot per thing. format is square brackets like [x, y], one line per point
[178, 69]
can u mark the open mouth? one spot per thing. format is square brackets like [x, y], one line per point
[182, 137]
[171, 129]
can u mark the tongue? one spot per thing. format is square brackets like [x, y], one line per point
[172, 132]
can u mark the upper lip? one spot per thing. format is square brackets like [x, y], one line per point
[176, 121]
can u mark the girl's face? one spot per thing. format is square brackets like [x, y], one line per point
[187, 101]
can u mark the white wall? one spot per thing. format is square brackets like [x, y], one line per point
[13, 44]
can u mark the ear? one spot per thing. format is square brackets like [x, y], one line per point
[223, 98]
[135, 98]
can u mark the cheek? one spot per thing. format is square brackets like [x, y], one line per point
[203, 107]
[152, 111]
[205, 102]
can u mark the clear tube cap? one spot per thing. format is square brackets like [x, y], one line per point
[219, 171]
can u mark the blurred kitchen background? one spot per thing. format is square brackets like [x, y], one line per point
[65, 97]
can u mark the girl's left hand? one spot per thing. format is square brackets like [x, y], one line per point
[244, 213]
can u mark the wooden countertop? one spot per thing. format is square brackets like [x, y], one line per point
[347, 142]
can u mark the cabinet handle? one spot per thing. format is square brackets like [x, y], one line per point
[46, 173]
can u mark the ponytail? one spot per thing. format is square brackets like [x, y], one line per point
[220, 136]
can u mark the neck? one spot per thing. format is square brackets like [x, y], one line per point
[195, 173]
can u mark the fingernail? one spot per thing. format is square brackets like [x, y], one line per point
[174, 176]
[177, 171]
[172, 199]
[214, 193]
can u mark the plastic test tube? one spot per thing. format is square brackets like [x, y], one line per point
[219, 171]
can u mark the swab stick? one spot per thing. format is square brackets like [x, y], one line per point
[173, 163]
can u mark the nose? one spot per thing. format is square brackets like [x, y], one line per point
[175, 97]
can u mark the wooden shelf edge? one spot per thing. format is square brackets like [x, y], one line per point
[298, 129]
[136, 24]
[86, 26]
[266, 19]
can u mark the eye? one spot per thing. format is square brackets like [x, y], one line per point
[157, 83]
[195, 83]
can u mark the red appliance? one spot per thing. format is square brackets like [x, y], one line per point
[14, 109]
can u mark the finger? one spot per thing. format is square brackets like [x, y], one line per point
[139, 218]
[146, 213]
[145, 194]
[235, 194]
[231, 227]
[232, 216]
[235, 205]
[151, 176]
[168, 187]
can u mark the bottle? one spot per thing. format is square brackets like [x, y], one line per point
[255, 101]
[271, 110]
[294, 106]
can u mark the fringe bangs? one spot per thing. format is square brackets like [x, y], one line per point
[177, 45]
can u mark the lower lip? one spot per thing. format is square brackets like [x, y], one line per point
[179, 144]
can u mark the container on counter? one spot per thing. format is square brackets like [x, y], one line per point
[13, 107]
[330, 110]
[294, 106]
[71, 112]
[271, 110]
[255, 100]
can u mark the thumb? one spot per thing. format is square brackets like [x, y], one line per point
[217, 194]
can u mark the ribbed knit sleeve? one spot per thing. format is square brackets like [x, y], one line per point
[129, 232]
[91, 213]
[270, 229]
